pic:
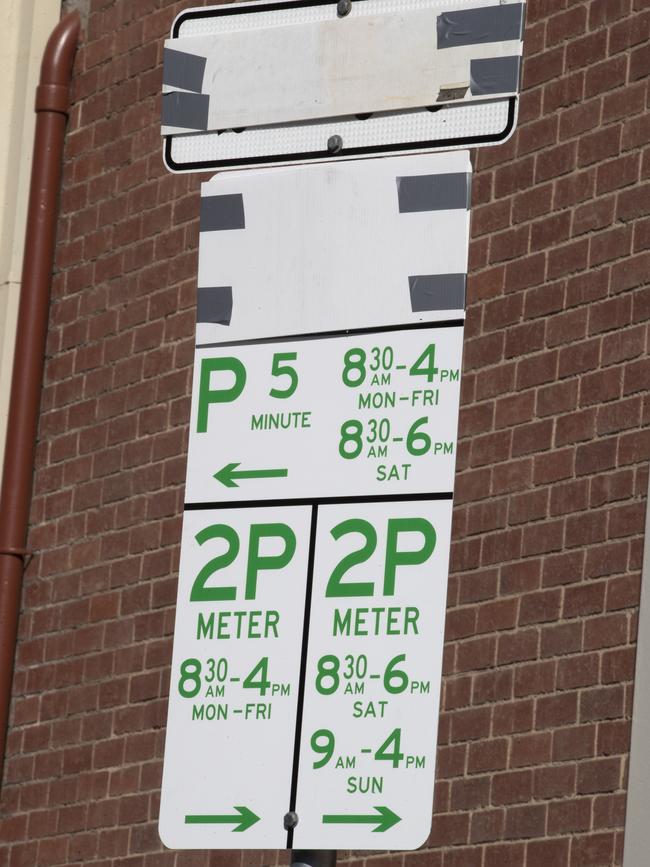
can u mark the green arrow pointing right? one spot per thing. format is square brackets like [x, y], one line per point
[384, 818]
[244, 820]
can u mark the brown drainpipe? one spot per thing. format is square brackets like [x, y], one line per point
[52, 96]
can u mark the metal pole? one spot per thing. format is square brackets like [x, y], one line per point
[313, 858]
[52, 100]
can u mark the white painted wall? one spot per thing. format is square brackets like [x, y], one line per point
[27, 25]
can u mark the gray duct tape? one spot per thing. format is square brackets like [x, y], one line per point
[476, 26]
[437, 292]
[183, 70]
[222, 212]
[494, 75]
[188, 110]
[434, 192]
[214, 304]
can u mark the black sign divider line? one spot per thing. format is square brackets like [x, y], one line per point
[315, 501]
[317, 335]
[303, 669]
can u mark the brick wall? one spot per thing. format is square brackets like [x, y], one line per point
[552, 468]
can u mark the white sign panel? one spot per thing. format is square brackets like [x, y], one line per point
[362, 414]
[235, 674]
[368, 738]
[271, 83]
[307, 654]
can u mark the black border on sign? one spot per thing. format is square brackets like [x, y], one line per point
[306, 156]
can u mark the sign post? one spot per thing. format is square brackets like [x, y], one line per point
[304, 695]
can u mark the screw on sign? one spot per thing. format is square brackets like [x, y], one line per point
[307, 658]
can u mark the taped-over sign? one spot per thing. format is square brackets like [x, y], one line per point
[297, 81]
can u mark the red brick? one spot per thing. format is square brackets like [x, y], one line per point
[543, 67]
[606, 631]
[535, 678]
[541, 538]
[569, 816]
[578, 426]
[555, 782]
[528, 506]
[489, 755]
[613, 737]
[530, 749]
[504, 246]
[576, 742]
[577, 120]
[493, 616]
[550, 231]
[561, 467]
[541, 853]
[449, 829]
[618, 665]
[537, 369]
[634, 447]
[609, 811]
[545, 300]
[578, 671]
[504, 855]
[630, 273]
[567, 259]
[514, 409]
[602, 144]
[475, 654]
[636, 376]
[587, 528]
[525, 821]
[556, 710]
[514, 716]
[470, 794]
[600, 775]
[566, 25]
[478, 586]
[570, 497]
[527, 337]
[518, 175]
[640, 60]
[618, 173]
[513, 787]
[596, 457]
[575, 188]
[605, 76]
[532, 203]
[586, 287]
[601, 703]
[591, 850]
[584, 599]
[520, 577]
[525, 272]
[487, 825]
[556, 398]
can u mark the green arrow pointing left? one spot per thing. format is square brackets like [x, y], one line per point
[229, 475]
[244, 820]
[384, 819]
